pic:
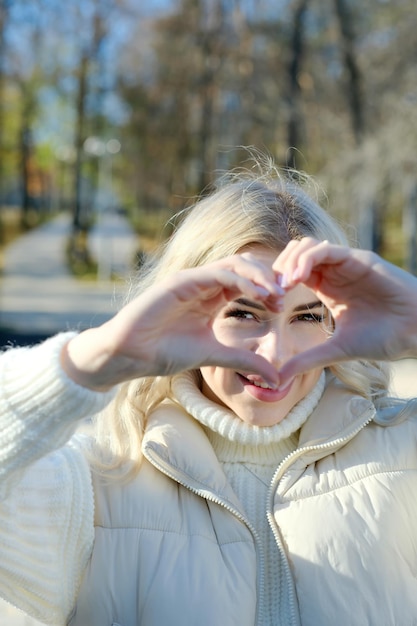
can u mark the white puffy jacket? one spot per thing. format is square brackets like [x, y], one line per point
[173, 547]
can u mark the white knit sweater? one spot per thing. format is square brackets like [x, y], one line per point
[32, 379]
[49, 505]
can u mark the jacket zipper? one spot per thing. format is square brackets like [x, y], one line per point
[178, 477]
[283, 466]
[181, 479]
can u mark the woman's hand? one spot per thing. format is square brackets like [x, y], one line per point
[168, 328]
[373, 303]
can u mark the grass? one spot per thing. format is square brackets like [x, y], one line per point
[11, 226]
[79, 259]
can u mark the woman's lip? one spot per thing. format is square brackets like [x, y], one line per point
[265, 394]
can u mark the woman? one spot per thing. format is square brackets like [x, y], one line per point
[247, 465]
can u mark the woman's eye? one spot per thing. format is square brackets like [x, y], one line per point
[240, 314]
[318, 318]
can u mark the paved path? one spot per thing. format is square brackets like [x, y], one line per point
[39, 295]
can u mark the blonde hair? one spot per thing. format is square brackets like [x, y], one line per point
[269, 208]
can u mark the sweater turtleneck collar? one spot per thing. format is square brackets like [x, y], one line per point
[225, 423]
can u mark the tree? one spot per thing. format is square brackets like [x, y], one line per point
[4, 17]
[90, 50]
[296, 134]
[354, 91]
[28, 80]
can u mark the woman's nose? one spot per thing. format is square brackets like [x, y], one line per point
[275, 347]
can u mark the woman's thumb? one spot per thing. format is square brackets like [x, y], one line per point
[321, 356]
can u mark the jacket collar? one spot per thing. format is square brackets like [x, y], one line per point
[339, 414]
[177, 445]
[338, 418]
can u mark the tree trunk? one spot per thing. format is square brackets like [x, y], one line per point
[370, 235]
[25, 149]
[78, 221]
[295, 129]
[4, 14]
[354, 90]
[211, 47]
[89, 56]
[410, 230]
[28, 111]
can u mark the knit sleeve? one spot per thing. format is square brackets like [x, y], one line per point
[47, 535]
[46, 494]
[40, 406]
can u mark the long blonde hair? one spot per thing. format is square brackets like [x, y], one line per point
[268, 208]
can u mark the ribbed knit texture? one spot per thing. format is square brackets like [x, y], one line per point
[40, 406]
[250, 456]
[47, 520]
[228, 425]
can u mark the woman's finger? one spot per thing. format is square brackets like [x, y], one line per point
[320, 356]
[232, 358]
[299, 260]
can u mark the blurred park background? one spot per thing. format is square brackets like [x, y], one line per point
[114, 114]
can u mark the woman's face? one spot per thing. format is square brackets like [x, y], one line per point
[303, 323]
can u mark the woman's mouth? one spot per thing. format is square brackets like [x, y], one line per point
[262, 391]
[261, 384]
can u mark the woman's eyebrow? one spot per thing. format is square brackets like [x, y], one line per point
[300, 307]
[308, 305]
[251, 304]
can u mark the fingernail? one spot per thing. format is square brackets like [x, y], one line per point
[295, 275]
[278, 286]
[262, 291]
[284, 281]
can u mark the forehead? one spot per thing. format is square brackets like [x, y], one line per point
[261, 253]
